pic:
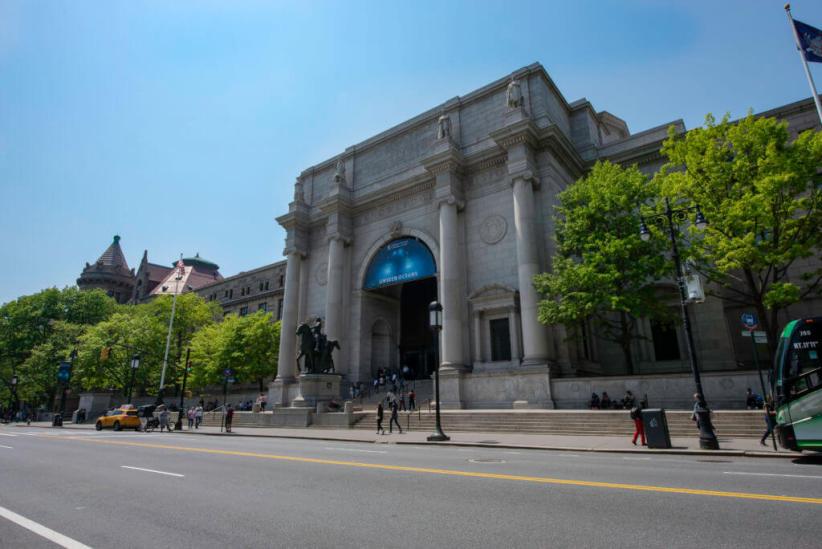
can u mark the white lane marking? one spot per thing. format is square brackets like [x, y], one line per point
[152, 471]
[637, 459]
[358, 450]
[7, 435]
[4, 446]
[770, 474]
[565, 455]
[40, 530]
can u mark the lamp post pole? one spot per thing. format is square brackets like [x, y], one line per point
[135, 363]
[13, 395]
[179, 426]
[707, 438]
[435, 320]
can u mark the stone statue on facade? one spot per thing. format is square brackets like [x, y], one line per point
[514, 94]
[299, 195]
[444, 127]
[339, 174]
[315, 349]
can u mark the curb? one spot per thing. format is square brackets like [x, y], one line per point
[727, 453]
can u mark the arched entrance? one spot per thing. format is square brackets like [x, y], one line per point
[399, 283]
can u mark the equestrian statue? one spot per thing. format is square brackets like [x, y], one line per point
[315, 349]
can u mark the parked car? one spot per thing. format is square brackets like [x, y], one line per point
[124, 417]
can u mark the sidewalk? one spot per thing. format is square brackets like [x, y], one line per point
[748, 447]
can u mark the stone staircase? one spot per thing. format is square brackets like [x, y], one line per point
[727, 424]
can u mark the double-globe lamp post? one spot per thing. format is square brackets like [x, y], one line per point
[707, 438]
[435, 322]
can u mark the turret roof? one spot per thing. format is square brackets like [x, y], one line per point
[114, 255]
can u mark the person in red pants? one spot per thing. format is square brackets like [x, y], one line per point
[639, 428]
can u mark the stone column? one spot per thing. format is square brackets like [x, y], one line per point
[513, 320]
[450, 287]
[534, 337]
[287, 365]
[334, 289]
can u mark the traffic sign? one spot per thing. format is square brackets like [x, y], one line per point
[228, 372]
[749, 321]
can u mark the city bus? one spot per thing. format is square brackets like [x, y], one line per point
[797, 385]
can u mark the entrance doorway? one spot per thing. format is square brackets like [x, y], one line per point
[416, 338]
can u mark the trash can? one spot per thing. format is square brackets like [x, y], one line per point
[656, 428]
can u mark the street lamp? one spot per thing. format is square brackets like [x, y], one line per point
[13, 395]
[135, 363]
[435, 323]
[179, 424]
[707, 438]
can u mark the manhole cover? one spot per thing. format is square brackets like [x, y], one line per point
[486, 460]
[488, 442]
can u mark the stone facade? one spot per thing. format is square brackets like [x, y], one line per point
[476, 181]
[249, 291]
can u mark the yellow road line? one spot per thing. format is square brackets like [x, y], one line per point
[469, 474]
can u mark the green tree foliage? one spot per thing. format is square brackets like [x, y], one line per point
[142, 330]
[246, 345]
[602, 270]
[762, 196]
[38, 331]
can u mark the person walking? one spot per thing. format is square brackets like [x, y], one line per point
[229, 417]
[639, 427]
[198, 417]
[395, 418]
[770, 420]
[380, 412]
[163, 416]
[190, 416]
[412, 400]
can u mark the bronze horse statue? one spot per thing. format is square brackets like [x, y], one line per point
[316, 350]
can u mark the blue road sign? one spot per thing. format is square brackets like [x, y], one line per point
[750, 321]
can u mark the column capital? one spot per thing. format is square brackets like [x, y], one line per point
[346, 240]
[525, 175]
[450, 200]
[292, 250]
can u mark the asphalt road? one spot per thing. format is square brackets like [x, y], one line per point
[125, 490]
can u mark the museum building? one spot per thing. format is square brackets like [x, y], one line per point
[456, 205]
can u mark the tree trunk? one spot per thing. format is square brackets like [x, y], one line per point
[260, 381]
[625, 342]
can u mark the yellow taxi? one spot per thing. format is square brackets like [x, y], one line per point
[124, 417]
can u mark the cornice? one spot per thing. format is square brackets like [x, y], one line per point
[522, 131]
[448, 160]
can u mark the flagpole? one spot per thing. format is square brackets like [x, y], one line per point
[178, 277]
[804, 63]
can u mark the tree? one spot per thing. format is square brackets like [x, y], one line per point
[248, 346]
[602, 270]
[39, 330]
[762, 197]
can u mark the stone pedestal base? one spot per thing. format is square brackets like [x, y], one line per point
[316, 388]
[281, 391]
[452, 388]
[95, 404]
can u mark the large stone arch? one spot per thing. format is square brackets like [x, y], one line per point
[382, 345]
[426, 238]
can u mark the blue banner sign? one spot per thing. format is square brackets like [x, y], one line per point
[400, 261]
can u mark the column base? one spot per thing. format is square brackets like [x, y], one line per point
[452, 381]
[281, 391]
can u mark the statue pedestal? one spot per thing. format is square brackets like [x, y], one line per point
[316, 388]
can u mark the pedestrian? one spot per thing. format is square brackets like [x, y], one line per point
[380, 413]
[198, 417]
[163, 416]
[629, 401]
[229, 417]
[594, 404]
[639, 427]
[698, 408]
[412, 400]
[394, 418]
[190, 415]
[605, 401]
[402, 402]
[770, 420]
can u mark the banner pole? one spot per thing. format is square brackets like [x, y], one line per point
[804, 62]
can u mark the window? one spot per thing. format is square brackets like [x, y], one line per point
[279, 309]
[248, 290]
[261, 286]
[226, 294]
[500, 339]
[262, 306]
[231, 293]
[244, 310]
[666, 346]
[282, 281]
[242, 291]
[266, 284]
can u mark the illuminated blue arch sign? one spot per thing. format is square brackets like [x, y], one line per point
[399, 261]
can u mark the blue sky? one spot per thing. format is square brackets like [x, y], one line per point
[182, 125]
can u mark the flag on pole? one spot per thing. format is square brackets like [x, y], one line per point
[181, 267]
[810, 41]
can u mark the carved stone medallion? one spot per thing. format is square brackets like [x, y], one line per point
[321, 274]
[493, 229]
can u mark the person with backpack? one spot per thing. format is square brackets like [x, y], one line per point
[379, 418]
[639, 427]
[229, 417]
